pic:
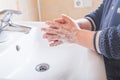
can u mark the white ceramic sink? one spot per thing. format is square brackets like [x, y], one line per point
[64, 62]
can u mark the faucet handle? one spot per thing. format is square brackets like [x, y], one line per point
[8, 14]
[10, 11]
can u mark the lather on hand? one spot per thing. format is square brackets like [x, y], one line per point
[61, 30]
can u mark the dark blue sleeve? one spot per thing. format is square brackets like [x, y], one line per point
[96, 16]
[109, 42]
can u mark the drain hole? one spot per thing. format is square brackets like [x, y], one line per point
[42, 67]
[17, 47]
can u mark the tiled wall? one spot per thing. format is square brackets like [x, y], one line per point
[51, 9]
[28, 8]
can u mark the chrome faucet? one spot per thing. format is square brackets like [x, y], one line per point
[7, 25]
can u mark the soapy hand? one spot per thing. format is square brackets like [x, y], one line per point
[61, 30]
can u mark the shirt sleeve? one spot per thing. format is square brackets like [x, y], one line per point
[95, 17]
[107, 42]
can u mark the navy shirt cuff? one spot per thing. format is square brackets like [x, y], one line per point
[92, 23]
[96, 41]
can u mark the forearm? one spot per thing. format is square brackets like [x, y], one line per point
[84, 24]
[85, 38]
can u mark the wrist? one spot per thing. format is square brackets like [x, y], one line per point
[85, 38]
[84, 24]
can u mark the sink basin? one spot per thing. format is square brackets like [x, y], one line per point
[30, 57]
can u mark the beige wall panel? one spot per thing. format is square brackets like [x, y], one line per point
[29, 9]
[51, 9]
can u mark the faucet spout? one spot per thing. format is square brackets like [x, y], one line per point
[17, 28]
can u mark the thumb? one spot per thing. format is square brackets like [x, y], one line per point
[66, 18]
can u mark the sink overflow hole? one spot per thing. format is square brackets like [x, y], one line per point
[17, 47]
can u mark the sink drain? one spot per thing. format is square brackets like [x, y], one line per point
[42, 67]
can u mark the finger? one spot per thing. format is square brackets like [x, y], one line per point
[48, 22]
[49, 30]
[67, 18]
[52, 25]
[59, 20]
[55, 43]
[51, 37]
